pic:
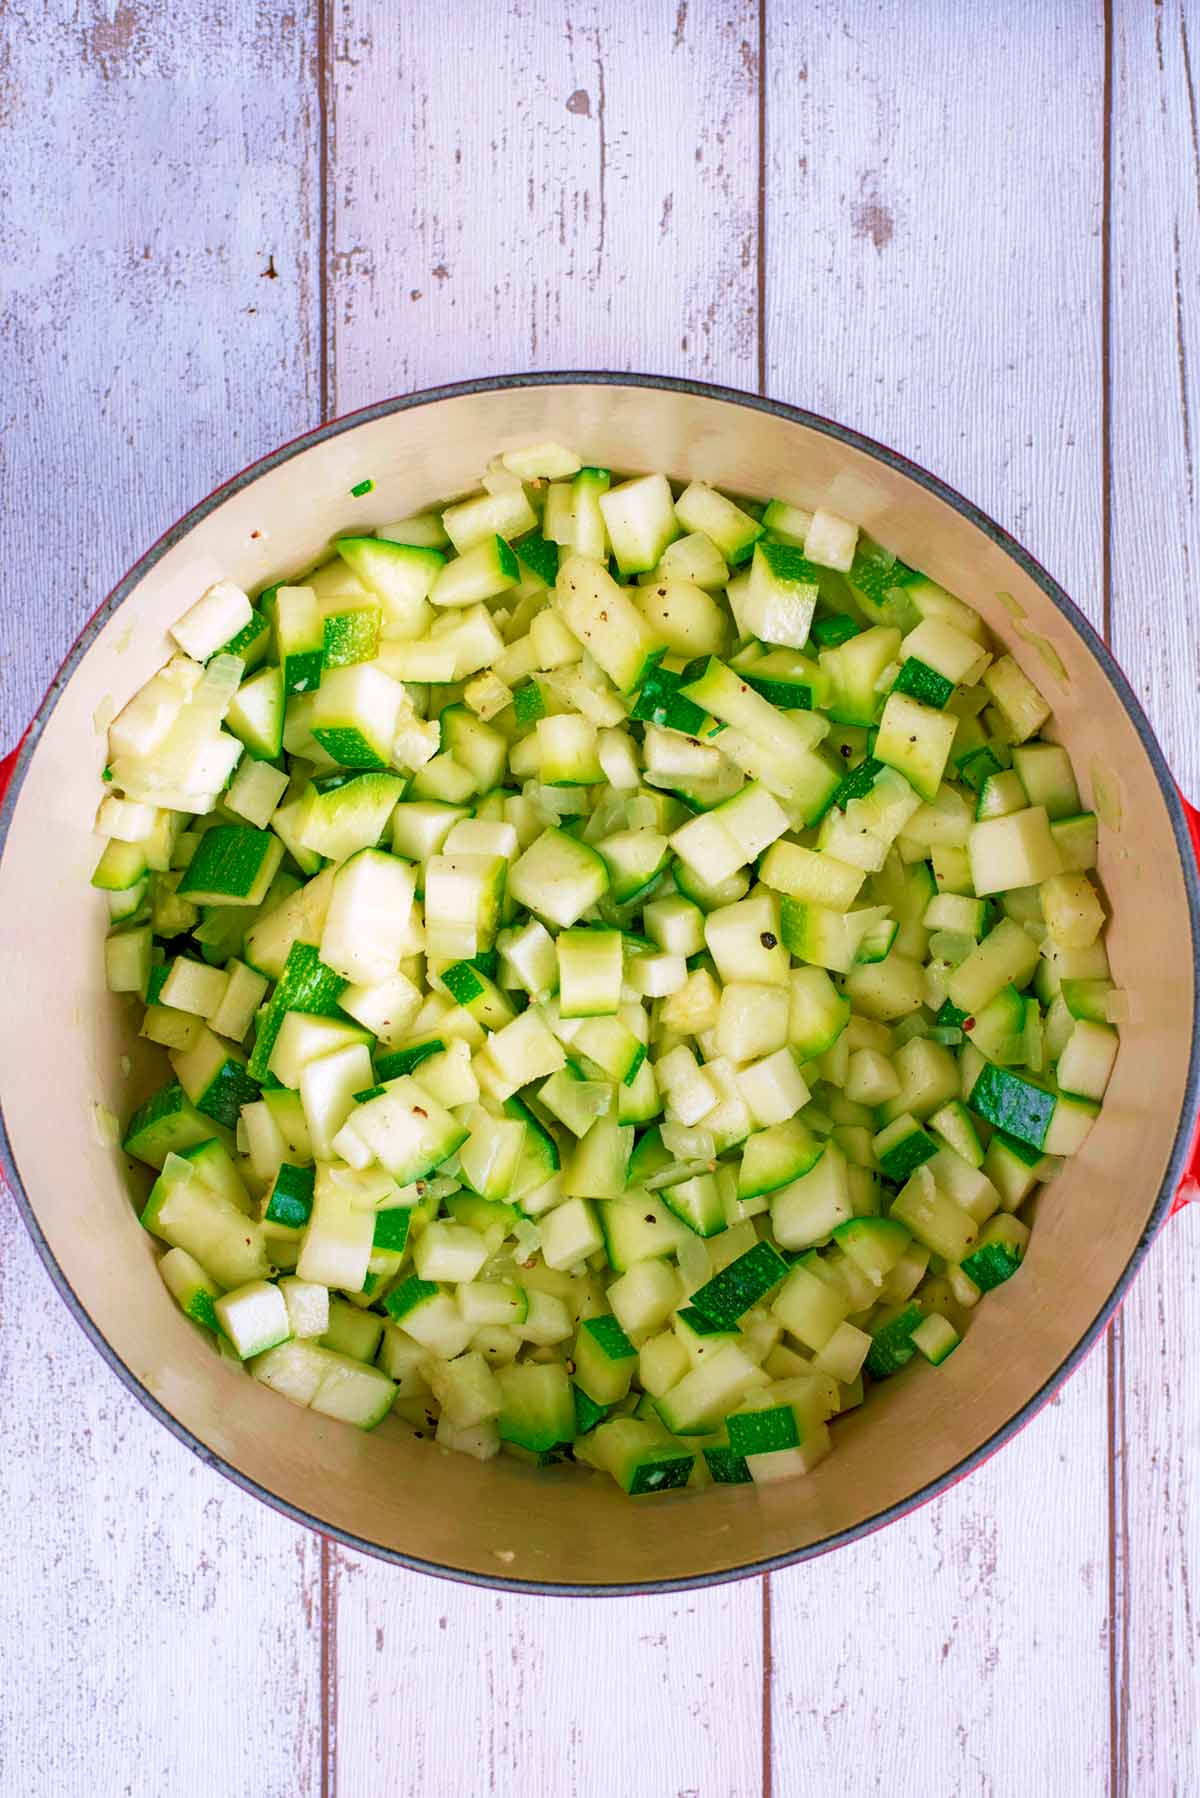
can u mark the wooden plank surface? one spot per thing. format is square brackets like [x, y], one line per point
[1155, 441]
[158, 1630]
[159, 297]
[579, 1698]
[159, 1627]
[898, 299]
[596, 207]
[932, 264]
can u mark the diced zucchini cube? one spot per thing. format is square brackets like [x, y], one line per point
[254, 1318]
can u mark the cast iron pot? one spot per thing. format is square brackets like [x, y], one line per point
[68, 1044]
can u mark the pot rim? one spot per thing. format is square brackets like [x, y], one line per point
[1063, 604]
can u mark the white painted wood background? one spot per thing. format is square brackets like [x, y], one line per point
[971, 229]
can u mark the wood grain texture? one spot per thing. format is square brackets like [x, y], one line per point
[595, 206]
[933, 248]
[1155, 421]
[579, 1698]
[962, 1650]
[527, 186]
[158, 1630]
[157, 294]
[157, 1627]
[908, 208]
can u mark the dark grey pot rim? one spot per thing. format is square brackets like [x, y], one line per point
[1058, 598]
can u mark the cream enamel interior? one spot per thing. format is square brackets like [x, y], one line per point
[68, 1044]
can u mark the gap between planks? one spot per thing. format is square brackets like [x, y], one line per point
[1118, 1505]
[330, 1576]
[326, 101]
